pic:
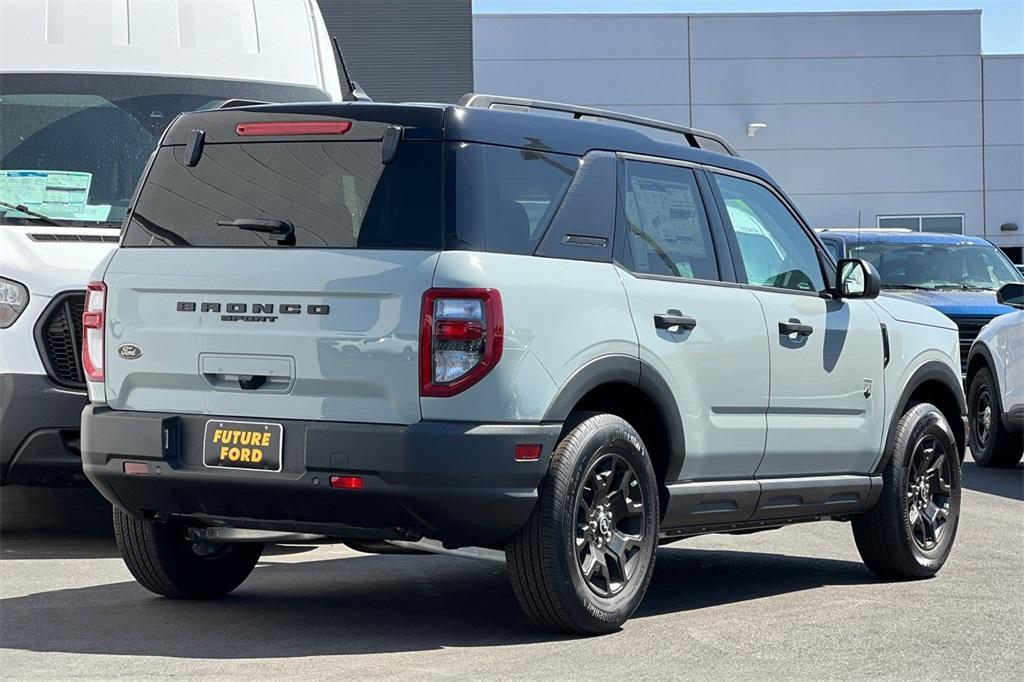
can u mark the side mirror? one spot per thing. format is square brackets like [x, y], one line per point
[857, 279]
[1011, 294]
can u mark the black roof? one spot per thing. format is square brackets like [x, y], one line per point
[426, 121]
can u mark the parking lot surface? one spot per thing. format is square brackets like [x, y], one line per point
[792, 603]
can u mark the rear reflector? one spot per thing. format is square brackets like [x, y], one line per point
[527, 453]
[347, 482]
[136, 468]
[293, 128]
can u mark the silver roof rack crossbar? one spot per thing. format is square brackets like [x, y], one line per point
[694, 137]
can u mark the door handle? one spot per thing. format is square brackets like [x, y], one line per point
[787, 328]
[668, 321]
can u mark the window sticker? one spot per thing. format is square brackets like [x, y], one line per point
[668, 213]
[57, 194]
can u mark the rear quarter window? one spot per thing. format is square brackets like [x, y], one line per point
[505, 197]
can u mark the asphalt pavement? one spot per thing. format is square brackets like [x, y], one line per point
[791, 603]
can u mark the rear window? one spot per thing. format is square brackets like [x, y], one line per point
[334, 194]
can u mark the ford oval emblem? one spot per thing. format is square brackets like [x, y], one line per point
[129, 351]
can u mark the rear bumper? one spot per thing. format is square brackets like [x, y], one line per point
[39, 423]
[453, 481]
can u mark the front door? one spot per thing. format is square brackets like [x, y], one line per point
[826, 404]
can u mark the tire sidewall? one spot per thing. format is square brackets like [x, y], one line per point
[981, 380]
[927, 420]
[598, 439]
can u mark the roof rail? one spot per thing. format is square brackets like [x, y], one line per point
[695, 138]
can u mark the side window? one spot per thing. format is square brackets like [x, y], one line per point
[775, 250]
[505, 197]
[667, 227]
[832, 247]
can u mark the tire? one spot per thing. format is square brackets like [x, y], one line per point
[163, 561]
[582, 495]
[991, 444]
[895, 539]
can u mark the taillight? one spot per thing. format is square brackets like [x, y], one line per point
[93, 323]
[461, 336]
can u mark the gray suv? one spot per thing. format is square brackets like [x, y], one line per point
[560, 333]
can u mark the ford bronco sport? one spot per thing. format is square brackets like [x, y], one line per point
[483, 325]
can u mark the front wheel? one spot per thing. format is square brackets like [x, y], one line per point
[164, 560]
[991, 444]
[582, 562]
[910, 531]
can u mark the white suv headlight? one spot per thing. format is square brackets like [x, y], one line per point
[13, 299]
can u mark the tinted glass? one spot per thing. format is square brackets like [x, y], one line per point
[832, 248]
[505, 197]
[774, 248]
[665, 220]
[335, 194]
[902, 222]
[72, 146]
[953, 224]
[937, 266]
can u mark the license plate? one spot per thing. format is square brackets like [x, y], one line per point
[243, 445]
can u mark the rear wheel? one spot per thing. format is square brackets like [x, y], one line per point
[582, 562]
[991, 444]
[164, 560]
[910, 532]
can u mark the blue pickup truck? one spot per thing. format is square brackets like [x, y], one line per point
[956, 274]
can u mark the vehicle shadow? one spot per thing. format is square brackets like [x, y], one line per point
[372, 604]
[55, 523]
[1002, 482]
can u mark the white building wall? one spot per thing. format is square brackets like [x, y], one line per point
[1004, 147]
[868, 114]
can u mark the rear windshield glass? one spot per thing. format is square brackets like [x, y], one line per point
[506, 197]
[334, 195]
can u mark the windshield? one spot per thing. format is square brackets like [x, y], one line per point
[72, 146]
[938, 266]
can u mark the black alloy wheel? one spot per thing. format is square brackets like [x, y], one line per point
[610, 525]
[928, 491]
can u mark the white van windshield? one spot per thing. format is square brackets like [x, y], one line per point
[72, 146]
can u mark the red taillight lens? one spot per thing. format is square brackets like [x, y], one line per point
[347, 482]
[461, 338]
[293, 128]
[93, 324]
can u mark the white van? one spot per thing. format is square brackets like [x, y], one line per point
[86, 89]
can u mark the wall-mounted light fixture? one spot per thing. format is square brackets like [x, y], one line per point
[752, 128]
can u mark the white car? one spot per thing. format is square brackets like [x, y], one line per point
[86, 91]
[995, 385]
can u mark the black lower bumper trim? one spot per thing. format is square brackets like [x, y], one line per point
[453, 481]
[39, 426]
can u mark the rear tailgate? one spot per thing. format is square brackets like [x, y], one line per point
[231, 320]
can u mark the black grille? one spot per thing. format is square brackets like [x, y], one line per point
[59, 337]
[968, 328]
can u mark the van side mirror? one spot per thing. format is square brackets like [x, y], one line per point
[857, 278]
[1011, 294]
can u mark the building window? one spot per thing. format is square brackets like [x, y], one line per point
[949, 224]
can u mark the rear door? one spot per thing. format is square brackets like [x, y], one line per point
[704, 336]
[276, 274]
